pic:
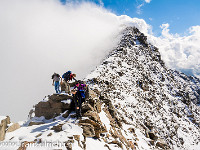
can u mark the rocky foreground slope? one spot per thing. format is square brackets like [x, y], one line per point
[133, 102]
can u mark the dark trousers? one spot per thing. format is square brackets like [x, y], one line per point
[78, 100]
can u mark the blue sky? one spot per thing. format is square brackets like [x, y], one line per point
[180, 14]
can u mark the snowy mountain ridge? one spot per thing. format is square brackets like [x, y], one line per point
[133, 102]
[149, 94]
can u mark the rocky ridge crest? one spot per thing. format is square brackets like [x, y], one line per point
[162, 103]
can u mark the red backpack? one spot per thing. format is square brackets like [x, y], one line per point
[71, 76]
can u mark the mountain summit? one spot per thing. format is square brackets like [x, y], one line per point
[133, 102]
[153, 99]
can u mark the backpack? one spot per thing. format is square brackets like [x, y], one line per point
[81, 86]
[71, 76]
[66, 76]
[55, 74]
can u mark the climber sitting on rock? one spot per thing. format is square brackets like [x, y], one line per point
[68, 76]
[79, 96]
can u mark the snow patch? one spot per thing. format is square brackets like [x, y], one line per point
[46, 98]
[105, 120]
[72, 129]
[95, 144]
[67, 101]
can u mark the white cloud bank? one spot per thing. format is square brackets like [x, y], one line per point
[39, 37]
[180, 52]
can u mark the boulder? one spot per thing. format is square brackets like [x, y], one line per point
[86, 107]
[57, 128]
[98, 128]
[152, 136]
[35, 123]
[93, 116]
[97, 91]
[77, 138]
[111, 114]
[93, 99]
[161, 145]
[66, 114]
[131, 145]
[59, 97]
[44, 109]
[117, 143]
[90, 122]
[152, 142]
[68, 145]
[50, 134]
[3, 126]
[13, 127]
[106, 145]
[132, 130]
[56, 105]
[91, 94]
[38, 135]
[88, 129]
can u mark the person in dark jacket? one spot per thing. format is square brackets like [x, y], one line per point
[68, 76]
[79, 97]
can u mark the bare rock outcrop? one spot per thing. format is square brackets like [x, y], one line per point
[56, 104]
[13, 127]
[3, 127]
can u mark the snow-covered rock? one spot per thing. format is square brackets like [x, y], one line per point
[161, 104]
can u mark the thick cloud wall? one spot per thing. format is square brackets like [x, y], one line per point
[40, 37]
